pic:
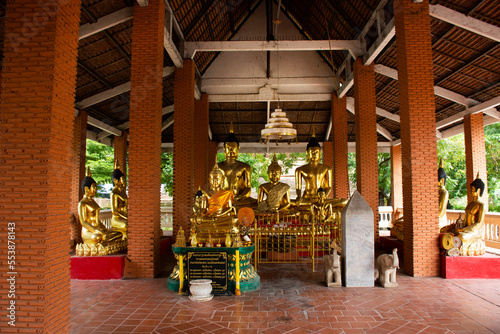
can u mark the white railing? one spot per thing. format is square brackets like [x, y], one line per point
[384, 218]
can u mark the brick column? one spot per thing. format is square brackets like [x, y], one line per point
[339, 137]
[418, 137]
[36, 136]
[184, 163]
[201, 141]
[475, 154]
[145, 140]
[328, 158]
[121, 150]
[396, 177]
[78, 172]
[366, 136]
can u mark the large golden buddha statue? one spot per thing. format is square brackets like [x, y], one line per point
[213, 212]
[276, 193]
[315, 175]
[119, 202]
[94, 233]
[237, 174]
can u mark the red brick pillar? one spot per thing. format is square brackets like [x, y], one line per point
[78, 172]
[366, 136]
[418, 137]
[339, 137]
[184, 163]
[145, 140]
[36, 149]
[475, 153]
[328, 158]
[201, 141]
[396, 178]
[121, 150]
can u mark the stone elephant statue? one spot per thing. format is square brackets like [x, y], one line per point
[386, 267]
[332, 269]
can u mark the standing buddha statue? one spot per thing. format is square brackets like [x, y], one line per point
[443, 195]
[119, 202]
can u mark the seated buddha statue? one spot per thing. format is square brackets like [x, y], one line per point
[93, 230]
[472, 232]
[237, 173]
[322, 210]
[213, 212]
[119, 202]
[276, 193]
[315, 175]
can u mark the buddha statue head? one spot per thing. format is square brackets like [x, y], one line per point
[216, 178]
[89, 186]
[274, 171]
[313, 149]
[321, 194]
[117, 176]
[477, 187]
[441, 174]
[231, 145]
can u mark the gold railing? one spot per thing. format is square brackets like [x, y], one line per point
[296, 238]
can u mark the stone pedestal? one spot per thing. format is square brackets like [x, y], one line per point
[358, 251]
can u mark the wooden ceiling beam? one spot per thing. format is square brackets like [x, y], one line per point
[353, 46]
[465, 22]
[106, 22]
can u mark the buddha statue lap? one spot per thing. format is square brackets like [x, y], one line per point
[472, 232]
[94, 232]
[237, 173]
[315, 175]
[119, 202]
[213, 213]
[276, 193]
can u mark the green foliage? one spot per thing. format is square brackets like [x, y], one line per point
[100, 158]
[167, 172]
[452, 151]
[492, 143]
[384, 176]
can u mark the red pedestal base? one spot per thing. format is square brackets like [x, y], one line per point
[98, 267]
[484, 266]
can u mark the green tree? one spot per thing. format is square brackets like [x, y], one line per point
[100, 158]
[167, 172]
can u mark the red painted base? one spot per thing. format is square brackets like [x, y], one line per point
[98, 267]
[484, 266]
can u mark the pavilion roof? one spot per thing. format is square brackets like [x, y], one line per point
[465, 44]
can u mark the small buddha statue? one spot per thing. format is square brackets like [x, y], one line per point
[119, 202]
[443, 195]
[277, 193]
[238, 174]
[322, 210]
[315, 175]
[93, 230]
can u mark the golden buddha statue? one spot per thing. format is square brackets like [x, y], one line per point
[277, 193]
[93, 230]
[119, 202]
[315, 175]
[443, 195]
[237, 174]
[322, 210]
[472, 232]
[214, 213]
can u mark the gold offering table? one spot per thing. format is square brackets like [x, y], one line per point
[227, 267]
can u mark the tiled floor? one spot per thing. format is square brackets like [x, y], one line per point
[291, 299]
